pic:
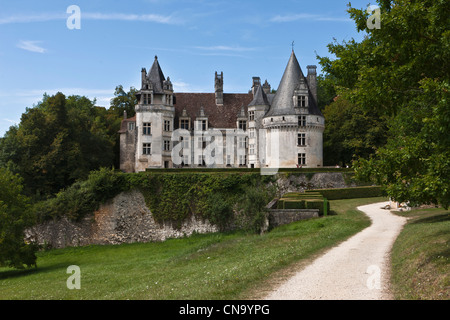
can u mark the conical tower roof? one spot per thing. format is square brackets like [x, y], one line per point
[283, 103]
[156, 77]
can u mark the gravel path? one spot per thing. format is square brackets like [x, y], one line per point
[357, 269]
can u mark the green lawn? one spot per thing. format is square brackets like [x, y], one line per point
[420, 256]
[212, 266]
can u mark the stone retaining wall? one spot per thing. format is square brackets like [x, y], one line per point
[279, 217]
[124, 219]
[127, 219]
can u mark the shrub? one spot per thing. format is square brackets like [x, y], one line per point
[349, 193]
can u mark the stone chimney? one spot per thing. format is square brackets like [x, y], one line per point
[256, 83]
[218, 88]
[312, 81]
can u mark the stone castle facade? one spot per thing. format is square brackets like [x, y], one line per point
[258, 129]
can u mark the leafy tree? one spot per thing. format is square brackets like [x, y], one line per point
[351, 132]
[58, 142]
[124, 101]
[14, 218]
[400, 72]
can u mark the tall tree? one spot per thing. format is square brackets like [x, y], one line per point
[124, 101]
[58, 142]
[14, 218]
[400, 71]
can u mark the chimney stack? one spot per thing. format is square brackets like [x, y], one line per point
[312, 81]
[256, 84]
[218, 88]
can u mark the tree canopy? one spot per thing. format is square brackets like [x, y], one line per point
[400, 73]
[14, 218]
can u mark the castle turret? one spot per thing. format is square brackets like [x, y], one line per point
[154, 120]
[294, 123]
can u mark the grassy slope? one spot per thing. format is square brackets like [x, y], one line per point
[420, 256]
[213, 266]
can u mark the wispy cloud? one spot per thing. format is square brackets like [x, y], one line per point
[10, 121]
[33, 18]
[44, 17]
[31, 46]
[226, 48]
[165, 19]
[307, 17]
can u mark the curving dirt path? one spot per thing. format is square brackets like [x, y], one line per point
[357, 269]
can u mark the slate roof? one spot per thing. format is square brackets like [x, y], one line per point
[219, 116]
[283, 103]
[156, 76]
[124, 124]
[260, 98]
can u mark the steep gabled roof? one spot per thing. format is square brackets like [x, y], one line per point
[260, 98]
[156, 77]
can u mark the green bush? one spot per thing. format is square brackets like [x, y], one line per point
[170, 197]
[82, 197]
[294, 204]
[349, 193]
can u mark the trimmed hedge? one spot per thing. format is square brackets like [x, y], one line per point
[349, 193]
[301, 200]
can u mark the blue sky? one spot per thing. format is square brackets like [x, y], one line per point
[192, 39]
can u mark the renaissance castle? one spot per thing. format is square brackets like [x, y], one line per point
[258, 129]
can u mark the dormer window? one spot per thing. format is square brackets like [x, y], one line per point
[184, 124]
[243, 125]
[302, 101]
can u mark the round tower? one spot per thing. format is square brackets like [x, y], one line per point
[294, 124]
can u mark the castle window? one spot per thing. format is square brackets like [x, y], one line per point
[201, 160]
[301, 139]
[302, 121]
[242, 142]
[147, 148]
[166, 145]
[131, 126]
[252, 149]
[251, 115]
[166, 125]
[147, 128]
[302, 101]
[243, 125]
[203, 125]
[185, 161]
[242, 160]
[302, 158]
[251, 133]
[228, 160]
[184, 124]
[147, 99]
[184, 142]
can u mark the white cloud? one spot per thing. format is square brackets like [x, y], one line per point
[226, 48]
[11, 121]
[157, 18]
[131, 17]
[31, 46]
[32, 18]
